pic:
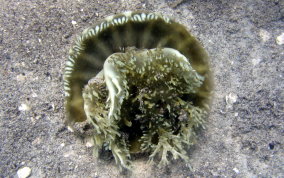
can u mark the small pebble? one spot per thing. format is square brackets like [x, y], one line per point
[231, 98]
[70, 129]
[236, 170]
[264, 35]
[37, 141]
[21, 77]
[24, 107]
[24, 172]
[89, 143]
[256, 61]
[74, 22]
[34, 95]
[280, 39]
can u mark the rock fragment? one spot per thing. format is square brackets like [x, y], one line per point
[24, 107]
[280, 39]
[264, 35]
[231, 98]
[24, 172]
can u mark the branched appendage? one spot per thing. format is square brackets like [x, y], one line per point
[168, 143]
[106, 130]
[149, 88]
[114, 82]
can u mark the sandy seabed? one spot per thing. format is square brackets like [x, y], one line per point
[244, 131]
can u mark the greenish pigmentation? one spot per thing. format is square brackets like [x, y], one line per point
[142, 82]
[146, 90]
